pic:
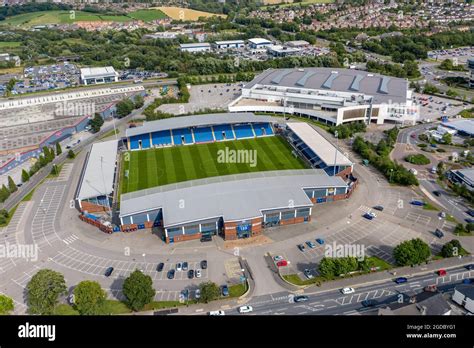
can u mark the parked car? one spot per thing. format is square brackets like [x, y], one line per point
[197, 294]
[442, 214]
[308, 274]
[431, 288]
[369, 216]
[300, 298]
[438, 233]
[185, 266]
[245, 309]
[185, 294]
[108, 271]
[216, 313]
[347, 291]
[469, 267]
[203, 264]
[437, 193]
[378, 207]
[282, 263]
[190, 274]
[469, 221]
[170, 274]
[467, 281]
[400, 280]
[206, 238]
[369, 303]
[225, 290]
[198, 273]
[442, 272]
[310, 244]
[179, 266]
[320, 241]
[278, 258]
[470, 212]
[160, 267]
[301, 247]
[418, 203]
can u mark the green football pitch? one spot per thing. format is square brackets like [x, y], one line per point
[155, 167]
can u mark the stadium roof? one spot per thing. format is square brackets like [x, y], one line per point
[195, 121]
[318, 144]
[101, 71]
[98, 177]
[464, 126]
[234, 197]
[382, 88]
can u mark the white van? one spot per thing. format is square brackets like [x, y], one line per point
[245, 309]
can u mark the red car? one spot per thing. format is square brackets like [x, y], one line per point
[282, 263]
[442, 272]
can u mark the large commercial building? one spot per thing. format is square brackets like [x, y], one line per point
[230, 44]
[333, 96]
[470, 65]
[195, 47]
[93, 76]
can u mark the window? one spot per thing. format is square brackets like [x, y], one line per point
[302, 212]
[192, 229]
[174, 231]
[273, 217]
[290, 214]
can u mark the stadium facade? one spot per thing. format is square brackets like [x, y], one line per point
[329, 95]
[232, 206]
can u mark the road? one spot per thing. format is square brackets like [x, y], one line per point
[454, 205]
[334, 303]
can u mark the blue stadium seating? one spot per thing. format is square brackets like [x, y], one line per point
[135, 141]
[229, 134]
[262, 129]
[243, 131]
[161, 138]
[203, 134]
[178, 133]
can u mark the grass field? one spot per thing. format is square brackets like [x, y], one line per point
[63, 17]
[185, 14]
[9, 44]
[155, 167]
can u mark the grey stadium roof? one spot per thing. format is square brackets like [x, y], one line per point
[195, 121]
[466, 126]
[234, 197]
[98, 177]
[382, 88]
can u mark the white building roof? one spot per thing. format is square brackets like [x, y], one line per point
[98, 72]
[230, 42]
[259, 41]
[98, 177]
[318, 144]
[198, 44]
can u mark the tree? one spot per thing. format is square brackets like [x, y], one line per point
[24, 176]
[138, 290]
[43, 291]
[55, 170]
[139, 101]
[3, 216]
[411, 252]
[58, 149]
[70, 154]
[96, 123]
[124, 107]
[4, 193]
[451, 249]
[447, 138]
[6, 304]
[11, 185]
[89, 297]
[209, 292]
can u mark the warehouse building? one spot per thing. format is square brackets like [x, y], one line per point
[195, 47]
[230, 44]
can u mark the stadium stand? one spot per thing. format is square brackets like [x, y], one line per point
[161, 138]
[182, 136]
[203, 134]
[261, 129]
[140, 142]
[243, 131]
[223, 132]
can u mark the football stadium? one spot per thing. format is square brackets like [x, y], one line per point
[231, 175]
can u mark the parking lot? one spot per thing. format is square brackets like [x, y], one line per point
[432, 107]
[209, 96]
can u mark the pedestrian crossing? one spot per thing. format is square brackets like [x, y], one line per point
[70, 239]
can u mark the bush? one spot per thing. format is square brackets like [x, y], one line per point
[451, 249]
[411, 252]
[419, 159]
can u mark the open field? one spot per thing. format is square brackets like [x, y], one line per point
[9, 44]
[185, 14]
[63, 17]
[155, 167]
